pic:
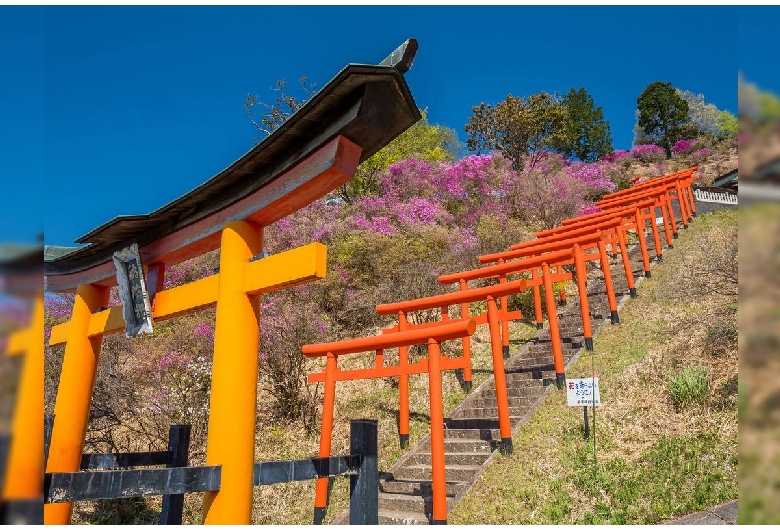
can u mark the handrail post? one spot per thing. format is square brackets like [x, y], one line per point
[178, 447]
[364, 488]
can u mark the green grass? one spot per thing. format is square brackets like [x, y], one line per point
[689, 387]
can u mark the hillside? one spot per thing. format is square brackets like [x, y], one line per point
[391, 248]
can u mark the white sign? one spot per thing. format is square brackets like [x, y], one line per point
[580, 392]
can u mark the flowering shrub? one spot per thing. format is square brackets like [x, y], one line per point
[683, 147]
[618, 154]
[648, 153]
[699, 156]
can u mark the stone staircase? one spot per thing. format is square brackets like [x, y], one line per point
[471, 430]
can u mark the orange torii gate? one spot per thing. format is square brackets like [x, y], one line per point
[634, 218]
[680, 181]
[491, 318]
[544, 262]
[433, 336]
[318, 149]
[596, 239]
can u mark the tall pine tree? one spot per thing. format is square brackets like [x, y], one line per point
[588, 134]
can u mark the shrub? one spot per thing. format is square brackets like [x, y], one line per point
[683, 147]
[699, 156]
[689, 387]
[648, 153]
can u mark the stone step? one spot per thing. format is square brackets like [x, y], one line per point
[472, 434]
[484, 447]
[423, 505]
[513, 390]
[516, 380]
[416, 487]
[393, 517]
[460, 459]
[564, 330]
[454, 473]
[519, 401]
[477, 423]
[489, 412]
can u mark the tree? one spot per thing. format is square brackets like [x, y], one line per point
[662, 113]
[285, 105]
[422, 140]
[640, 138]
[589, 136]
[519, 126]
[702, 115]
[726, 123]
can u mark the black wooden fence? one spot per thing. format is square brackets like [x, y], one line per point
[176, 478]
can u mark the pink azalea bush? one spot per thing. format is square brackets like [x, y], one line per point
[683, 147]
[648, 153]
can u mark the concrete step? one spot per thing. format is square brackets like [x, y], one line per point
[421, 504]
[488, 412]
[416, 487]
[460, 459]
[564, 330]
[394, 517]
[516, 402]
[516, 380]
[454, 473]
[513, 390]
[472, 434]
[463, 446]
[477, 423]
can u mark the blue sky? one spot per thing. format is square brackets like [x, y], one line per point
[142, 104]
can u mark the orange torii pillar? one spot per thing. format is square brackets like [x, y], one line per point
[433, 365]
[233, 290]
[24, 470]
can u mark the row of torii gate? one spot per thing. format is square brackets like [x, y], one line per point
[358, 112]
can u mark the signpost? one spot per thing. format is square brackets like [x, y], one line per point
[581, 393]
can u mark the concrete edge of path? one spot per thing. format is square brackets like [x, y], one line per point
[725, 513]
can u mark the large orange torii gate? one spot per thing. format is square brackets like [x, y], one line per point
[318, 149]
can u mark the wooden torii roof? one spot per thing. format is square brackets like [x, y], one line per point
[358, 112]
